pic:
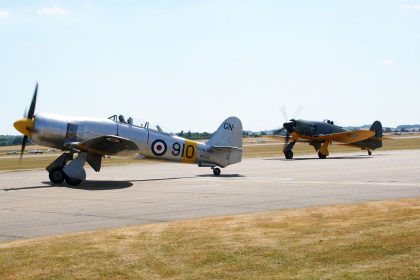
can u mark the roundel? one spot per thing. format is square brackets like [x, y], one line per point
[114, 140]
[159, 147]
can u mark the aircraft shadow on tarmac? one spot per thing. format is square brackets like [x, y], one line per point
[222, 175]
[90, 185]
[315, 158]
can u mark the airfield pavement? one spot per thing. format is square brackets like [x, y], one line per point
[154, 193]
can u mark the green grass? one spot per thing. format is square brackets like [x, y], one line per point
[377, 240]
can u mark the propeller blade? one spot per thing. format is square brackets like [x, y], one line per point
[33, 103]
[22, 149]
[284, 113]
[299, 110]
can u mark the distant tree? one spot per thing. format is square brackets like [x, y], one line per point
[10, 140]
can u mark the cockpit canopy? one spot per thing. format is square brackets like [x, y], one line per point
[329, 121]
[130, 121]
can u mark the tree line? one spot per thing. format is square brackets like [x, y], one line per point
[10, 140]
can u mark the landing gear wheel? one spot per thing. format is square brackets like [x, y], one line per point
[57, 175]
[216, 171]
[288, 154]
[72, 181]
[321, 155]
[369, 152]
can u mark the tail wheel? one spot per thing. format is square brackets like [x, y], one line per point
[216, 171]
[57, 175]
[288, 154]
[321, 155]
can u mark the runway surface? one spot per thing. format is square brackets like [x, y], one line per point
[153, 193]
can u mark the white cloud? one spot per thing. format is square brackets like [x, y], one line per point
[389, 61]
[4, 14]
[412, 6]
[51, 11]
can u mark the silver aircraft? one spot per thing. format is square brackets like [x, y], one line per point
[90, 139]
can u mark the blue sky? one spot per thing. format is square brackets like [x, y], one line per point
[190, 64]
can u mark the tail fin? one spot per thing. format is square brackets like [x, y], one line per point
[377, 139]
[228, 140]
[377, 128]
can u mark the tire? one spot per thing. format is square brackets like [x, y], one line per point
[288, 154]
[369, 152]
[73, 181]
[321, 155]
[216, 171]
[57, 175]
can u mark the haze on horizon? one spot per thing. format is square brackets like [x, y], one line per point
[188, 65]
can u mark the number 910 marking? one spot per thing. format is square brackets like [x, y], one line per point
[185, 150]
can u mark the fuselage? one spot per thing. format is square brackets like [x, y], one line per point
[56, 131]
[308, 130]
[304, 129]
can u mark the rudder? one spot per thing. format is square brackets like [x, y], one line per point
[228, 138]
[377, 128]
[377, 139]
[229, 134]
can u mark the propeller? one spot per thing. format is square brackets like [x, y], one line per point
[289, 126]
[26, 124]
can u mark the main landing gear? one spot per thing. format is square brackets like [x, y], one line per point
[321, 155]
[57, 175]
[216, 171]
[369, 152]
[288, 153]
[73, 173]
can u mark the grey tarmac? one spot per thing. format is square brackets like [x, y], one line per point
[152, 193]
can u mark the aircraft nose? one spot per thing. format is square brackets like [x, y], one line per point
[24, 126]
[289, 126]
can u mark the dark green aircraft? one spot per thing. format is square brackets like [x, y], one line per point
[321, 134]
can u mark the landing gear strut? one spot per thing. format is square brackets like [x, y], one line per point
[216, 171]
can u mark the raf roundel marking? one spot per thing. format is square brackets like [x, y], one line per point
[109, 139]
[159, 147]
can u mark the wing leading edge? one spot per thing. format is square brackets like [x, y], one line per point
[346, 137]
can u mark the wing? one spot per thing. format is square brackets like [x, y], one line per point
[293, 136]
[106, 145]
[347, 137]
